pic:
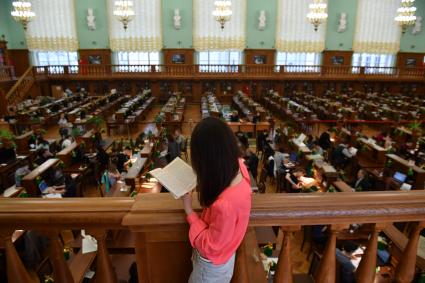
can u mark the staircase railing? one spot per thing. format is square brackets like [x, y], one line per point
[160, 233]
[21, 87]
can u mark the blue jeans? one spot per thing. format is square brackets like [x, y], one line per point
[204, 271]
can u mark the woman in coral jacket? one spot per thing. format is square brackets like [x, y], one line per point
[224, 192]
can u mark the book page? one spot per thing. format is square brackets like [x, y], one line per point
[177, 177]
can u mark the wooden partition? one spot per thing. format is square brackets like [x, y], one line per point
[65, 155]
[22, 146]
[30, 181]
[162, 248]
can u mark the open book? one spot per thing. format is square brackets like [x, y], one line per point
[177, 177]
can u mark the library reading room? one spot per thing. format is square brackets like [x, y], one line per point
[212, 141]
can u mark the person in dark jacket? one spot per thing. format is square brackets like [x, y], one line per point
[325, 140]
[251, 162]
[362, 182]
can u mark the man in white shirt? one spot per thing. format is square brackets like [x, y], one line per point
[66, 142]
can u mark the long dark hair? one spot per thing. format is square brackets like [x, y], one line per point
[214, 153]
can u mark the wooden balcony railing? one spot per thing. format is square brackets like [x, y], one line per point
[162, 250]
[7, 73]
[228, 71]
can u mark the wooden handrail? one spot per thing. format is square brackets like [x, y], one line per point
[267, 210]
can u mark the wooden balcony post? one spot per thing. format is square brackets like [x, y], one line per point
[284, 264]
[105, 272]
[16, 271]
[405, 271]
[327, 267]
[366, 271]
[61, 272]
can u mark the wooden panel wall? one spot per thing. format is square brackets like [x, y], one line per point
[256, 56]
[331, 57]
[20, 59]
[406, 59]
[88, 55]
[181, 56]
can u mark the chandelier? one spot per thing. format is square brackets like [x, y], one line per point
[406, 14]
[317, 14]
[22, 12]
[222, 12]
[124, 12]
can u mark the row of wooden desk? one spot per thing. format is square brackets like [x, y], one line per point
[132, 120]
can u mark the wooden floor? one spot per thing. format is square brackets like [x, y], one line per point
[192, 116]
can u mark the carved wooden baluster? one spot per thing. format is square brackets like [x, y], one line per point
[366, 271]
[405, 271]
[61, 272]
[284, 264]
[327, 267]
[105, 272]
[16, 272]
[240, 273]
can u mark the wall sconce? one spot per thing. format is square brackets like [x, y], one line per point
[418, 25]
[91, 24]
[342, 22]
[262, 20]
[177, 19]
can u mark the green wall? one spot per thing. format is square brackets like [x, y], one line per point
[171, 37]
[415, 43]
[340, 40]
[257, 39]
[92, 39]
[182, 38]
[4, 30]
[16, 35]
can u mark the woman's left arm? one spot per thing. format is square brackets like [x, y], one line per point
[211, 238]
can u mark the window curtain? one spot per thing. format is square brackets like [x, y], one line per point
[207, 33]
[144, 32]
[376, 31]
[294, 32]
[53, 28]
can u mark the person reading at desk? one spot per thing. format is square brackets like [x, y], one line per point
[325, 140]
[67, 141]
[180, 140]
[124, 158]
[43, 156]
[251, 162]
[295, 179]
[225, 195]
[317, 149]
[235, 116]
[110, 177]
[362, 181]
[279, 156]
[63, 122]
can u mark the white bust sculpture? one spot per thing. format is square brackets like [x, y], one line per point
[177, 19]
[91, 19]
[262, 20]
[418, 25]
[342, 26]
